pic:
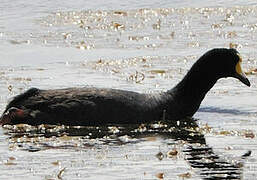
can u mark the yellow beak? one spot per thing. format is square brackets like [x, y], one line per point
[240, 74]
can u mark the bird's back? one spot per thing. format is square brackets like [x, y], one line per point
[88, 106]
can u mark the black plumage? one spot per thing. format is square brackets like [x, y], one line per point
[98, 106]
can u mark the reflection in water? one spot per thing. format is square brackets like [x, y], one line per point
[196, 152]
[224, 111]
[211, 165]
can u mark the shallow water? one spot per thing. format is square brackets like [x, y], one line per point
[143, 47]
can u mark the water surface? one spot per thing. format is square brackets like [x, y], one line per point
[140, 46]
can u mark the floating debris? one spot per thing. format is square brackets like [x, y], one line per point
[160, 175]
[12, 158]
[193, 44]
[157, 71]
[138, 77]
[225, 132]
[118, 26]
[252, 71]
[56, 163]
[83, 46]
[235, 45]
[216, 26]
[160, 155]
[59, 175]
[228, 148]
[231, 34]
[229, 17]
[14, 42]
[40, 69]
[185, 175]
[10, 163]
[249, 134]
[22, 79]
[138, 38]
[121, 13]
[157, 26]
[172, 153]
[248, 153]
[66, 36]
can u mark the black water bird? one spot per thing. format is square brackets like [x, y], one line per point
[100, 106]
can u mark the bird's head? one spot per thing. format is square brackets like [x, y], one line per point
[222, 63]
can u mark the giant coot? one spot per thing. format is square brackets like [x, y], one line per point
[99, 106]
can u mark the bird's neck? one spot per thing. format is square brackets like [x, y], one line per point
[190, 92]
[195, 85]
